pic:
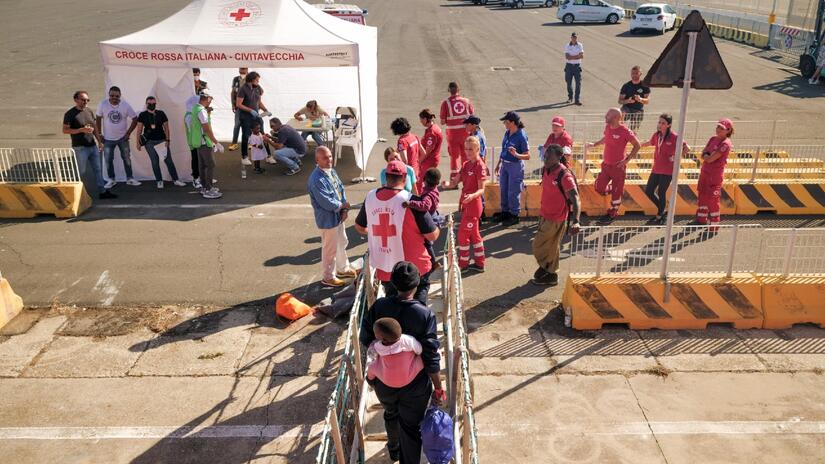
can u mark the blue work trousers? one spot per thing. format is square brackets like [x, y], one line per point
[511, 181]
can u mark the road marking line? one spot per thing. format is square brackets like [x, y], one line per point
[791, 427]
[158, 432]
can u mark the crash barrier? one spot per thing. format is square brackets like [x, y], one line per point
[778, 179]
[37, 181]
[10, 303]
[742, 275]
[343, 437]
[787, 44]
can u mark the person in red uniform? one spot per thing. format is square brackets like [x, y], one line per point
[559, 136]
[614, 162]
[454, 110]
[430, 144]
[664, 140]
[409, 145]
[472, 176]
[714, 160]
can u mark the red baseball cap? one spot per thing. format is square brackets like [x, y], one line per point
[558, 121]
[396, 168]
[726, 123]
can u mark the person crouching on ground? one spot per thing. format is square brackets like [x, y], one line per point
[714, 160]
[472, 176]
[404, 406]
[560, 207]
[427, 202]
[393, 358]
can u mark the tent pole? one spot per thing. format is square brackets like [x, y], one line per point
[362, 178]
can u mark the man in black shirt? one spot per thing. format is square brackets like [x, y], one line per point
[404, 407]
[153, 127]
[248, 102]
[237, 82]
[79, 124]
[633, 97]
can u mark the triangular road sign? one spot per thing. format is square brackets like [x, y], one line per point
[709, 71]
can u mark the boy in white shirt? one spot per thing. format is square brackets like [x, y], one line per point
[256, 143]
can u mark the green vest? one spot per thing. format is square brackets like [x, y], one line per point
[194, 130]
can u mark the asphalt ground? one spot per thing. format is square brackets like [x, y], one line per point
[150, 267]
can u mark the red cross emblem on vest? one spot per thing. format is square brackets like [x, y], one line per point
[240, 14]
[384, 229]
[458, 107]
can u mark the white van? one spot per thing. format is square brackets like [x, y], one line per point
[351, 13]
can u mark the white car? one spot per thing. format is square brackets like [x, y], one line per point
[659, 17]
[523, 3]
[589, 10]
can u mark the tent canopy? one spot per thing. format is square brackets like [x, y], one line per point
[301, 53]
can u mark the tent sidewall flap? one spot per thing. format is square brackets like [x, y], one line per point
[330, 73]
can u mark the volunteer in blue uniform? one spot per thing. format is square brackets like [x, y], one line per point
[510, 168]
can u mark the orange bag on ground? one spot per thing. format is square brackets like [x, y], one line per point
[289, 307]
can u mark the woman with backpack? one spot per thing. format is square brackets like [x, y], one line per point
[560, 206]
[664, 140]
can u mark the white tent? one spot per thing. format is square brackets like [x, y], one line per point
[301, 53]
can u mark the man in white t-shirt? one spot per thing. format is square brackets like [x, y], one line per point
[573, 54]
[112, 121]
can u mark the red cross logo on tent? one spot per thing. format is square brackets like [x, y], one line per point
[240, 14]
[384, 229]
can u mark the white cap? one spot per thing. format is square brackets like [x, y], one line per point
[205, 93]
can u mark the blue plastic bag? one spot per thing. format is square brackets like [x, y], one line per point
[437, 436]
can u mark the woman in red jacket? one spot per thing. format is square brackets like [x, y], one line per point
[430, 145]
[664, 141]
[714, 160]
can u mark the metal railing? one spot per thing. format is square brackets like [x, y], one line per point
[38, 165]
[343, 436]
[713, 251]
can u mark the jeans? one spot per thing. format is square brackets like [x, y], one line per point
[573, 71]
[404, 410]
[421, 292]
[288, 156]
[511, 182]
[319, 141]
[237, 127]
[656, 190]
[90, 156]
[109, 153]
[155, 159]
[206, 163]
[247, 121]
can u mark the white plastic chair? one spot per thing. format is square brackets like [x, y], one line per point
[346, 132]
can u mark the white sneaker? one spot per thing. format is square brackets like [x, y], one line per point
[211, 195]
[132, 182]
[214, 181]
[215, 190]
[160, 184]
[292, 172]
[270, 160]
[179, 183]
[197, 183]
[109, 184]
[246, 161]
[813, 81]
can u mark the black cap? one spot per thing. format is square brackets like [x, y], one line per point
[573, 34]
[472, 119]
[511, 116]
[405, 276]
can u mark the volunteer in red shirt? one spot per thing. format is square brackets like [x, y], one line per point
[395, 233]
[430, 144]
[560, 204]
[664, 140]
[714, 160]
[559, 136]
[614, 162]
[454, 110]
[409, 145]
[472, 176]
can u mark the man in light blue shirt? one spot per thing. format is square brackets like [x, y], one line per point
[330, 205]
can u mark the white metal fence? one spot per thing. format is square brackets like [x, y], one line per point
[721, 250]
[38, 165]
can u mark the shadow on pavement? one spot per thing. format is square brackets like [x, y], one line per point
[794, 86]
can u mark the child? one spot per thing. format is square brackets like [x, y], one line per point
[391, 154]
[473, 175]
[428, 202]
[393, 358]
[256, 142]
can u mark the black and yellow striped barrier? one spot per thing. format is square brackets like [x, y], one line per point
[10, 303]
[780, 198]
[30, 200]
[793, 300]
[635, 200]
[639, 302]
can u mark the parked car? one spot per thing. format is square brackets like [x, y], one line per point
[523, 3]
[659, 17]
[485, 2]
[589, 10]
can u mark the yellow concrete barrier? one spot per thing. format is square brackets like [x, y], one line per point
[635, 200]
[780, 198]
[639, 302]
[793, 300]
[10, 303]
[29, 200]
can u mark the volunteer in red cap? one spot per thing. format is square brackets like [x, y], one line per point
[559, 136]
[395, 233]
[472, 176]
[614, 162]
[714, 159]
[430, 144]
[454, 110]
